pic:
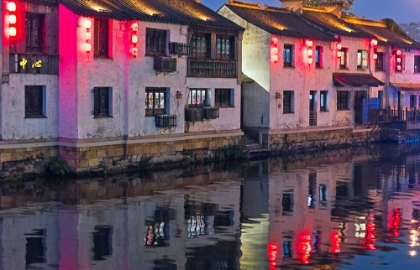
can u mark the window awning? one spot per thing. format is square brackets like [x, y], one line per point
[355, 79]
[407, 88]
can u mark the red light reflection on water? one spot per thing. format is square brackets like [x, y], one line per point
[394, 221]
[335, 242]
[304, 246]
[272, 253]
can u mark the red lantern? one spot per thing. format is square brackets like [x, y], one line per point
[11, 6]
[339, 46]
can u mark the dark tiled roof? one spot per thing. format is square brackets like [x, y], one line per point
[355, 79]
[280, 22]
[388, 37]
[407, 87]
[335, 25]
[185, 12]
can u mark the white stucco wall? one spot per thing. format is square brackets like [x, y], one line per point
[256, 65]
[14, 125]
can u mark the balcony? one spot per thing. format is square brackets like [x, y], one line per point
[165, 121]
[33, 63]
[164, 65]
[180, 49]
[212, 68]
[399, 119]
[194, 114]
[201, 114]
[211, 113]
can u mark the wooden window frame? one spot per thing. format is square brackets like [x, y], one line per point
[362, 57]
[223, 97]
[153, 98]
[30, 47]
[413, 102]
[35, 101]
[156, 42]
[228, 53]
[289, 62]
[288, 100]
[193, 94]
[343, 98]
[323, 101]
[416, 64]
[343, 59]
[195, 50]
[98, 94]
[379, 62]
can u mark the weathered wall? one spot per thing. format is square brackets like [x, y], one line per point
[15, 126]
[256, 65]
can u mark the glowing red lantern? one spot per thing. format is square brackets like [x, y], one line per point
[309, 43]
[374, 42]
[310, 52]
[398, 52]
[87, 24]
[11, 6]
[135, 27]
[134, 39]
[275, 55]
[12, 31]
[88, 47]
[375, 56]
[339, 46]
[338, 54]
[12, 19]
[275, 41]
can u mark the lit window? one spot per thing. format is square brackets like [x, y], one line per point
[362, 62]
[225, 47]
[200, 45]
[287, 55]
[318, 56]
[343, 58]
[155, 101]
[198, 97]
[324, 100]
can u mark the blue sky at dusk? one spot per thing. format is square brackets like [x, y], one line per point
[402, 11]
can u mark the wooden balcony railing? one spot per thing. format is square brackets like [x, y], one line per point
[391, 115]
[165, 121]
[33, 63]
[212, 68]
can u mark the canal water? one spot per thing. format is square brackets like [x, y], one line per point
[343, 209]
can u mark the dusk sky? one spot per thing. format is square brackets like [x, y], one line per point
[402, 11]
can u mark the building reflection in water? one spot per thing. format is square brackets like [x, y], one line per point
[319, 212]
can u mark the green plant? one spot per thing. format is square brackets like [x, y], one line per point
[15, 177]
[56, 167]
[230, 152]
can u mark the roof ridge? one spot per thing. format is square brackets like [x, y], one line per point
[244, 4]
[271, 8]
[363, 21]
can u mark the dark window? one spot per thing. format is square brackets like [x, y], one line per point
[155, 101]
[102, 242]
[223, 98]
[380, 97]
[225, 47]
[287, 101]
[34, 101]
[101, 39]
[379, 63]
[323, 192]
[417, 64]
[287, 55]
[200, 45]
[34, 32]
[287, 203]
[35, 249]
[362, 62]
[312, 190]
[197, 97]
[413, 100]
[343, 58]
[342, 100]
[156, 42]
[324, 100]
[102, 101]
[318, 56]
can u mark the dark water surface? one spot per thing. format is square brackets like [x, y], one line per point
[345, 209]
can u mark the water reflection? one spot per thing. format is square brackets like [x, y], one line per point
[319, 211]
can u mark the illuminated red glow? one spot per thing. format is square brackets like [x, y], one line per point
[309, 51]
[272, 254]
[11, 6]
[134, 39]
[375, 56]
[374, 42]
[394, 221]
[11, 19]
[370, 236]
[274, 52]
[304, 246]
[335, 242]
[398, 52]
[339, 46]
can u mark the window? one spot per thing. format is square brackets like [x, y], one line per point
[417, 64]
[362, 62]
[318, 56]
[379, 63]
[288, 97]
[200, 45]
[155, 101]
[413, 100]
[101, 38]
[102, 242]
[35, 248]
[34, 101]
[343, 58]
[197, 97]
[223, 98]
[156, 42]
[287, 55]
[34, 32]
[102, 101]
[225, 47]
[324, 99]
[342, 100]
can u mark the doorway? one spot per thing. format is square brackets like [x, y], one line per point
[312, 109]
[359, 96]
